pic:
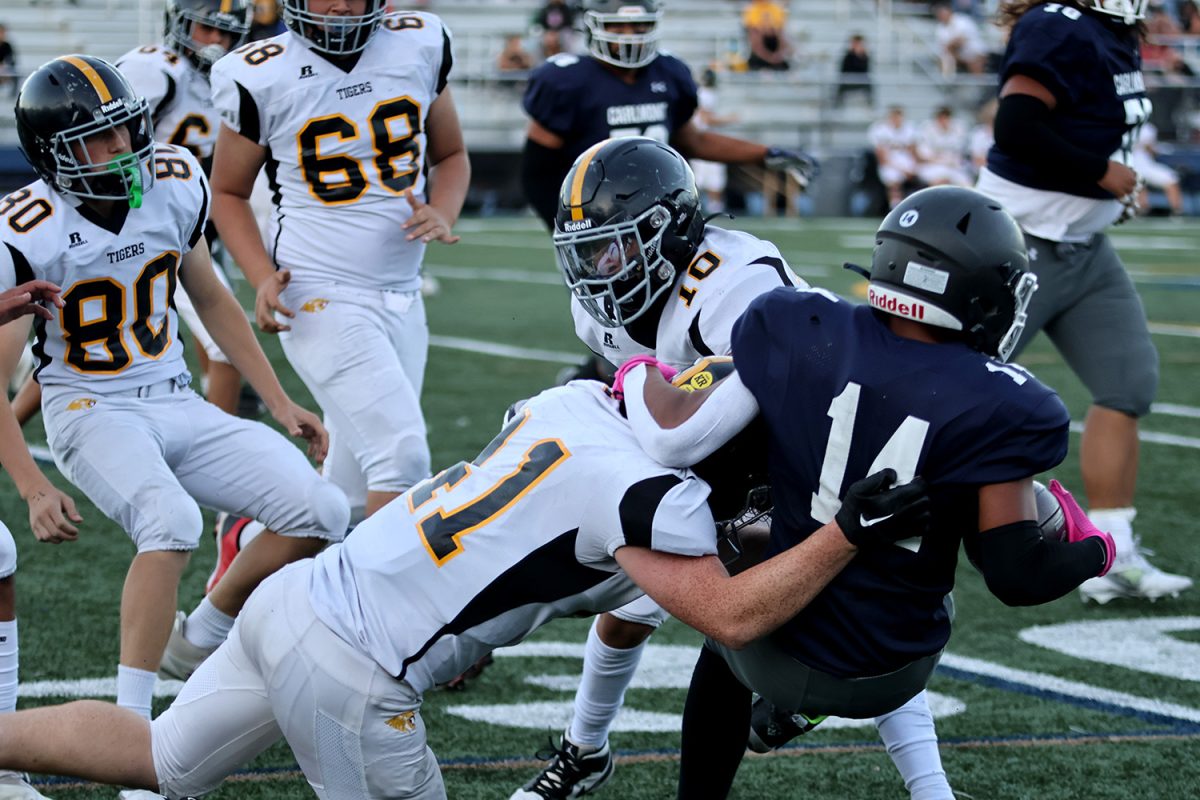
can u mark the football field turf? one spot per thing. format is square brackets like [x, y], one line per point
[1060, 701]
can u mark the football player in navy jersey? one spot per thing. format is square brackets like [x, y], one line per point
[623, 87]
[1072, 100]
[915, 381]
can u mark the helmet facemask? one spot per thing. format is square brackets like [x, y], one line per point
[1129, 11]
[126, 177]
[1024, 284]
[626, 50]
[333, 34]
[180, 38]
[617, 271]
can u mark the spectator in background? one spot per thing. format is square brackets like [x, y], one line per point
[855, 71]
[895, 141]
[1143, 160]
[959, 40]
[514, 57]
[1189, 18]
[8, 62]
[1170, 89]
[764, 21]
[266, 22]
[982, 137]
[558, 17]
[710, 175]
[1156, 53]
[552, 43]
[941, 151]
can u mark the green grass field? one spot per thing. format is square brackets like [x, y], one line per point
[1106, 706]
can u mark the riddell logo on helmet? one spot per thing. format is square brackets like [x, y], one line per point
[577, 225]
[112, 105]
[893, 304]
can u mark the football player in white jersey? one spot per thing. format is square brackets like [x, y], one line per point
[118, 221]
[173, 77]
[648, 277]
[344, 110]
[561, 514]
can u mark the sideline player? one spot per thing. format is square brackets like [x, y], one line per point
[562, 514]
[117, 220]
[623, 87]
[49, 507]
[648, 277]
[344, 110]
[917, 381]
[173, 77]
[1072, 100]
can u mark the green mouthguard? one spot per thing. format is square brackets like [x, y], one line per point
[127, 167]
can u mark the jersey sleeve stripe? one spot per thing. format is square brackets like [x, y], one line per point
[697, 340]
[248, 114]
[165, 103]
[777, 265]
[447, 62]
[202, 217]
[21, 268]
[639, 505]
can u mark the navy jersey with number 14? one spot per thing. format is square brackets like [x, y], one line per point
[844, 397]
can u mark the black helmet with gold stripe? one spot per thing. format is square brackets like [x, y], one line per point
[628, 220]
[75, 99]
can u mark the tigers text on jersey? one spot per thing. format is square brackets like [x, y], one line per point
[118, 328]
[179, 96]
[481, 554]
[342, 147]
[584, 101]
[729, 270]
[844, 397]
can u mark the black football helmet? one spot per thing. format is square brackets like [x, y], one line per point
[71, 99]
[627, 50]
[953, 258]
[332, 34]
[230, 16]
[628, 219]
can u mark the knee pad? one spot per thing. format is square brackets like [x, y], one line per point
[176, 525]
[330, 511]
[1137, 388]
[642, 611]
[406, 464]
[8, 553]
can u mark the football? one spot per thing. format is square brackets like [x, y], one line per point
[1050, 517]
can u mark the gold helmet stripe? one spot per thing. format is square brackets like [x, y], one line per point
[577, 181]
[90, 73]
[226, 6]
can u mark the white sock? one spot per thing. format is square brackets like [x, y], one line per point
[207, 626]
[607, 672]
[8, 666]
[252, 529]
[135, 689]
[911, 743]
[1119, 523]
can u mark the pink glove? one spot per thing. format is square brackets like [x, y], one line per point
[618, 387]
[1079, 527]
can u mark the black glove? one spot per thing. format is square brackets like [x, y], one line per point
[874, 513]
[800, 165]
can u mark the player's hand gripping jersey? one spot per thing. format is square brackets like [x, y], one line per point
[179, 96]
[581, 100]
[118, 329]
[730, 269]
[980, 422]
[565, 472]
[343, 147]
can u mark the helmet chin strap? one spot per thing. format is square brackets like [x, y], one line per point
[127, 167]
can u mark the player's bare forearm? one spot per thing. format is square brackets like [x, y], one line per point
[14, 453]
[226, 321]
[712, 146]
[448, 182]
[736, 611]
[27, 401]
[239, 232]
